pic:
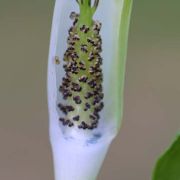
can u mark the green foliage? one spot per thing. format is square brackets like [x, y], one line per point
[168, 166]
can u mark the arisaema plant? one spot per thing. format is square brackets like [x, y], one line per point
[85, 83]
[86, 70]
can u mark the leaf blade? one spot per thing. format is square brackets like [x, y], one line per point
[168, 165]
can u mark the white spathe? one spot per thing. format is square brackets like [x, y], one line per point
[78, 155]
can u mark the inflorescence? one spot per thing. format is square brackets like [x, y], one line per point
[82, 84]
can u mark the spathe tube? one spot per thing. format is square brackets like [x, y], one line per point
[78, 154]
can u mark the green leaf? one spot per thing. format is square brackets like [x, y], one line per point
[168, 165]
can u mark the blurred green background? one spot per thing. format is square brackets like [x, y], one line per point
[152, 90]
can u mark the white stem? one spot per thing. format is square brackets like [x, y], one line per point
[73, 161]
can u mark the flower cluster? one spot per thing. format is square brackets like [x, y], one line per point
[82, 85]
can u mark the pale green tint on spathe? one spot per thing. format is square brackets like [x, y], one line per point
[117, 69]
